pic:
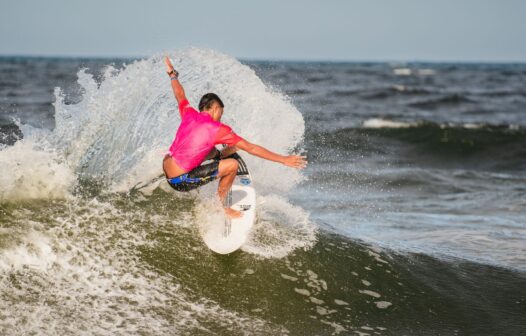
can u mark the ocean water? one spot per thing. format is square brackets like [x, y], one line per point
[409, 220]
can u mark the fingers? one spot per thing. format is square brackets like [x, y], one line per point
[296, 161]
[168, 63]
[300, 164]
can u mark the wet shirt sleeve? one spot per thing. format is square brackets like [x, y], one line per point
[226, 136]
[184, 106]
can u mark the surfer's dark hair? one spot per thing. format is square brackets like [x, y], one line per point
[207, 100]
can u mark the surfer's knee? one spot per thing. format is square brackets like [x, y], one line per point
[232, 165]
[229, 165]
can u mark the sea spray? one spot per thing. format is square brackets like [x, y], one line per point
[32, 172]
[281, 228]
[120, 129]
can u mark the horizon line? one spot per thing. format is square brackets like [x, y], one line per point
[256, 59]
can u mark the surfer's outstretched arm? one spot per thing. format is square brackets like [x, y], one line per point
[174, 76]
[294, 161]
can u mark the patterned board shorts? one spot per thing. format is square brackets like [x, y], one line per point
[195, 178]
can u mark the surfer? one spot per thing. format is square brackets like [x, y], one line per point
[195, 142]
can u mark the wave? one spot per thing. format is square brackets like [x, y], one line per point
[444, 101]
[498, 93]
[118, 265]
[382, 92]
[87, 260]
[500, 146]
[467, 137]
[395, 91]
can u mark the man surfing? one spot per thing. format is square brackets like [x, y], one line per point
[195, 142]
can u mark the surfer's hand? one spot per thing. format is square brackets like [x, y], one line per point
[169, 65]
[295, 161]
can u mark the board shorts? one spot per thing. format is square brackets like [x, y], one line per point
[195, 178]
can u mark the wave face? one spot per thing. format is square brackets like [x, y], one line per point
[496, 147]
[452, 191]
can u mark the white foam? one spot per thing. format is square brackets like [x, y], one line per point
[426, 72]
[302, 291]
[370, 292]
[409, 72]
[30, 172]
[280, 229]
[472, 126]
[288, 277]
[382, 123]
[316, 301]
[383, 304]
[402, 71]
[33, 250]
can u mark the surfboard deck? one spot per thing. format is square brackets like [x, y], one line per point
[228, 236]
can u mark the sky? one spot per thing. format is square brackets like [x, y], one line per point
[330, 30]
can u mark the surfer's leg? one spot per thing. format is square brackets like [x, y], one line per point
[227, 174]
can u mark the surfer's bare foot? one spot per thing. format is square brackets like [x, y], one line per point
[231, 213]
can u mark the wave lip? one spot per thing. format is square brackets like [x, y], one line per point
[493, 128]
[466, 138]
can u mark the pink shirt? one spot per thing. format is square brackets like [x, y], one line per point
[197, 135]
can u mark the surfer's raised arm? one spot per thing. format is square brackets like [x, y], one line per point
[174, 76]
[294, 161]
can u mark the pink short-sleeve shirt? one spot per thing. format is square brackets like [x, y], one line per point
[197, 135]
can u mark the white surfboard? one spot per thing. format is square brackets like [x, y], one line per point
[228, 236]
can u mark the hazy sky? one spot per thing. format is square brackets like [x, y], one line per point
[445, 30]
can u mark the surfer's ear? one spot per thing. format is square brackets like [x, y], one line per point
[217, 112]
